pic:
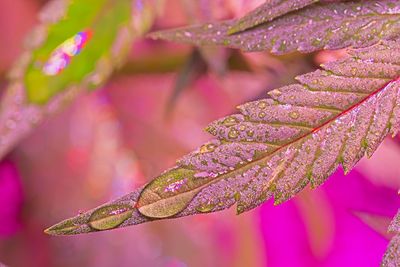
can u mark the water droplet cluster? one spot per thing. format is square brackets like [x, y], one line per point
[327, 25]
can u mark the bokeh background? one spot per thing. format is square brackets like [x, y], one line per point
[152, 112]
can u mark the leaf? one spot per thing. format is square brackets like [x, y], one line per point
[194, 67]
[104, 19]
[278, 145]
[376, 222]
[392, 254]
[268, 11]
[322, 25]
[64, 24]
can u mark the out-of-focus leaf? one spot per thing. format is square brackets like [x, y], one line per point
[322, 25]
[193, 68]
[392, 254]
[106, 21]
[276, 146]
[268, 11]
[376, 222]
[33, 94]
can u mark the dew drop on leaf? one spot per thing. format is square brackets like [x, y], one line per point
[250, 133]
[230, 121]
[207, 207]
[236, 196]
[233, 133]
[109, 217]
[207, 148]
[294, 115]
[262, 104]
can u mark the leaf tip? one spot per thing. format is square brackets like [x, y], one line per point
[63, 228]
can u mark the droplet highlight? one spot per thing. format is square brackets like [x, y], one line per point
[62, 55]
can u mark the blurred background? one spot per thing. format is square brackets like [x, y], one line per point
[151, 112]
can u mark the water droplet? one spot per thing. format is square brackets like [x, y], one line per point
[233, 133]
[262, 105]
[250, 133]
[294, 115]
[206, 148]
[207, 207]
[109, 217]
[236, 196]
[63, 228]
[275, 93]
[240, 208]
[262, 114]
[230, 121]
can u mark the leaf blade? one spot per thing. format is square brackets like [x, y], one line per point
[276, 146]
[319, 26]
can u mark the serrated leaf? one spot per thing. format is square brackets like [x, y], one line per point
[322, 25]
[276, 146]
[392, 254]
[34, 92]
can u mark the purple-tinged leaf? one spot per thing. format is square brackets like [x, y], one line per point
[268, 11]
[275, 146]
[322, 25]
[392, 254]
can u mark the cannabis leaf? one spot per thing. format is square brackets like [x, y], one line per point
[392, 255]
[274, 147]
[322, 25]
[77, 45]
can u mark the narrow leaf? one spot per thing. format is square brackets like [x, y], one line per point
[376, 222]
[322, 25]
[276, 146]
[194, 67]
[77, 45]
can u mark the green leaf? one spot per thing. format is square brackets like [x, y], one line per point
[104, 18]
[32, 95]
